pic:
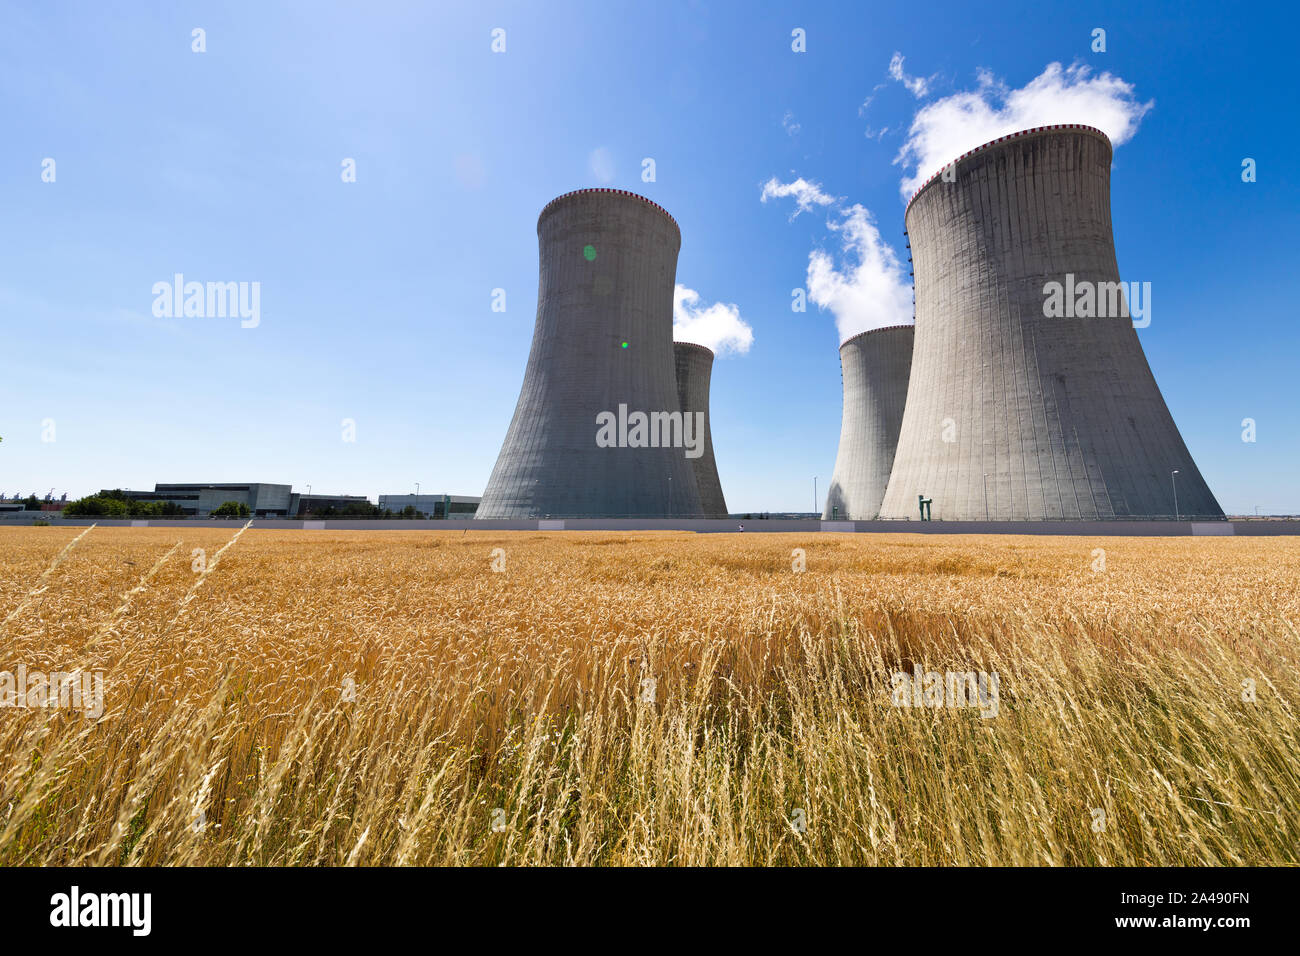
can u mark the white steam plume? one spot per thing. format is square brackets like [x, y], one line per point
[873, 290]
[943, 130]
[806, 194]
[718, 327]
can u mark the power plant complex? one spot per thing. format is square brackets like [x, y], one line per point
[1020, 394]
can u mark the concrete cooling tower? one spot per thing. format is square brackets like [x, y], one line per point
[874, 366]
[1011, 413]
[592, 434]
[694, 370]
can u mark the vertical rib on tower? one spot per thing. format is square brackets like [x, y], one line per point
[694, 370]
[1063, 415]
[875, 366]
[607, 264]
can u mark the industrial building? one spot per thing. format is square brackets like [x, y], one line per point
[201, 499]
[1012, 414]
[264, 500]
[602, 349]
[301, 505]
[874, 367]
[694, 364]
[435, 506]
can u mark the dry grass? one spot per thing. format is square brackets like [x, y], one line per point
[1121, 691]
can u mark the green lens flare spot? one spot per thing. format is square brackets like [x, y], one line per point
[624, 345]
[589, 253]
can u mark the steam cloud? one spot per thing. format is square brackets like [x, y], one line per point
[873, 290]
[806, 194]
[870, 288]
[718, 327]
[943, 130]
[916, 85]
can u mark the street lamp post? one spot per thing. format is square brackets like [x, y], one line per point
[417, 497]
[306, 505]
[1173, 479]
[814, 496]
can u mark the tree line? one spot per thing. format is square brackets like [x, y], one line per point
[115, 503]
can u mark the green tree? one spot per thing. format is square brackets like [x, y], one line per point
[231, 509]
[97, 506]
[107, 501]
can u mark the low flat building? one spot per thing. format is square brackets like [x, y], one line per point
[301, 505]
[201, 499]
[435, 506]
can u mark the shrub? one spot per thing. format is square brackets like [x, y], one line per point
[97, 506]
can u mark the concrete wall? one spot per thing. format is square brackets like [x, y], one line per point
[694, 365]
[728, 525]
[608, 262]
[874, 367]
[1063, 415]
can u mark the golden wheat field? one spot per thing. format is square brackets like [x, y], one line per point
[330, 698]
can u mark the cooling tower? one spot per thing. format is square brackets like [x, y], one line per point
[874, 366]
[591, 434]
[694, 370]
[1056, 417]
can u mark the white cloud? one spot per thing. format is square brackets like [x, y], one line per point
[806, 194]
[788, 123]
[601, 163]
[943, 130]
[718, 327]
[872, 290]
[916, 85]
[866, 104]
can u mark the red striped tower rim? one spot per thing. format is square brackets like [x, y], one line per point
[883, 328]
[617, 192]
[1005, 139]
[693, 345]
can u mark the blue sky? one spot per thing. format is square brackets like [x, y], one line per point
[376, 295]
